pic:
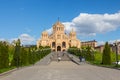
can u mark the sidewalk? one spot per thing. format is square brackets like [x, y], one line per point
[46, 60]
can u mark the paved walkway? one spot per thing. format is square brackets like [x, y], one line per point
[63, 70]
[46, 60]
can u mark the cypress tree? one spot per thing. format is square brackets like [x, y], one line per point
[30, 56]
[23, 57]
[88, 55]
[11, 53]
[1, 64]
[106, 57]
[16, 56]
[4, 56]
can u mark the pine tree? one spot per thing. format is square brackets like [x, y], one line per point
[106, 57]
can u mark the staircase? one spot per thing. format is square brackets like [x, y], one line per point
[62, 55]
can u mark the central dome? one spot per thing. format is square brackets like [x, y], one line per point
[58, 24]
[58, 27]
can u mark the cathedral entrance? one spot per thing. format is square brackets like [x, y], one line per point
[58, 48]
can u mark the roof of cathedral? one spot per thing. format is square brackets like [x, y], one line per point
[44, 32]
[58, 24]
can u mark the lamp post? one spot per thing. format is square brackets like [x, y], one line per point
[116, 47]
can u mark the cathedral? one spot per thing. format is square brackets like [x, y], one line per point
[59, 40]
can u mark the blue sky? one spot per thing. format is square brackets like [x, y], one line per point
[92, 19]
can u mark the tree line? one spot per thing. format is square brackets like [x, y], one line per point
[89, 54]
[84, 52]
[17, 55]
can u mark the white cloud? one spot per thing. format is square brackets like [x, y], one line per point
[91, 24]
[49, 31]
[25, 39]
[68, 26]
[100, 43]
[2, 39]
[110, 42]
[113, 41]
[13, 39]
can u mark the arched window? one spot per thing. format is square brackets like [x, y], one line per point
[63, 44]
[53, 44]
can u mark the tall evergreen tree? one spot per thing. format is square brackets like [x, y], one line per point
[4, 56]
[11, 53]
[89, 55]
[16, 56]
[23, 57]
[106, 57]
[30, 56]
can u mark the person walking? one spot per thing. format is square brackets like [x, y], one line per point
[59, 59]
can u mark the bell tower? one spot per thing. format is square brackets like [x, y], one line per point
[72, 34]
[44, 35]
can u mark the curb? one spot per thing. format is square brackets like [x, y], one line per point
[12, 70]
[7, 72]
[72, 58]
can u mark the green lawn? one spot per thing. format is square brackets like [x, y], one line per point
[98, 59]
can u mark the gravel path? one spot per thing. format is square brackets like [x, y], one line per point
[63, 70]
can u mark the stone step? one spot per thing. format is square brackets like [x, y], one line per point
[63, 56]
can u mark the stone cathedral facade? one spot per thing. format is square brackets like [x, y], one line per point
[59, 40]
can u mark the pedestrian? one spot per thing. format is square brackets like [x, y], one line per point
[80, 57]
[59, 59]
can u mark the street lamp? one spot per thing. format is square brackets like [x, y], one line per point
[116, 47]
